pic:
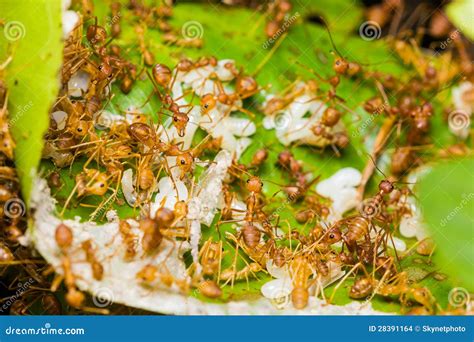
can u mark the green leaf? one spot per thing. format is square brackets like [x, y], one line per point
[461, 13]
[238, 33]
[447, 199]
[32, 37]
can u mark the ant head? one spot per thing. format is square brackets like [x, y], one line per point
[340, 66]
[181, 208]
[319, 129]
[285, 157]
[75, 298]
[99, 188]
[102, 51]
[105, 70]
[96, 34]
[274, 105]
[81, 128]
[208, 102]
[423, 296]
[386, 187]
[180, 120]
[334, 235]
[167, 99]
[185, 161]
[213, 61]
[254, 184]
[341, 140]
[231, 66]
[334, 81]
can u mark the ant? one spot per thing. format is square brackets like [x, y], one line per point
[74, 297]
[147, 56]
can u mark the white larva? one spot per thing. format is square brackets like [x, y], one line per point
[127, 187]
[169, 193]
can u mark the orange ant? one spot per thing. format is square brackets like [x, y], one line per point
[210, 256]
[147, 56]
[128, 238]
[300, 270]
[149, 274]
[97, 268]
[74, 297]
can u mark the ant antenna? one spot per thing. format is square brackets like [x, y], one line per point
[311, 70]
[326, 26]
[376, 167]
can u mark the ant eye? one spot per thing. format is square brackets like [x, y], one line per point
[79, 129]
[100, 67]
[175, 118]
[331, 236]
[248, 180]
[183, 162]
[102, 185]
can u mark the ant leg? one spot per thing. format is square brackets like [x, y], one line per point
[353, 269]
[58, 278]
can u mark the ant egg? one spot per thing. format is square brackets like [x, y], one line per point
[408, 226]
[399, 244]
[340, 188]
[69, 20]
[60, 118]
[344, 178]
[275, 271]
[278, 291]
[224, 69]
[78, 83]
